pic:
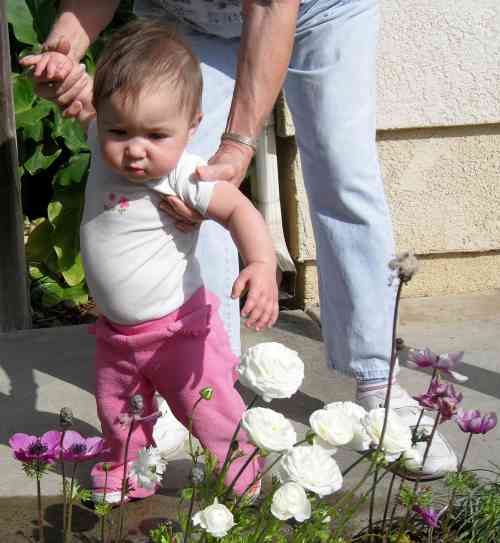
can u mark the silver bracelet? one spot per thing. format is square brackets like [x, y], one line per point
[238, 138]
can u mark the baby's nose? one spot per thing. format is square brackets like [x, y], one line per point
[135, 150]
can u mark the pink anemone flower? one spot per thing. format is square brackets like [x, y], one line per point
[76, 448]
[428, 515]
[441, 397]
[446, 363]
[29, 449]
[472, 422]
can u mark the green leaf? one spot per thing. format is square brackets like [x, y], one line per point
[44, 14]
[39, 243]
[19, 16]
[71, 132]
[78, 294]
[39, 161]
[24, 94]
[34, 114]
[75, 170]
[47, 290]
[64, 213]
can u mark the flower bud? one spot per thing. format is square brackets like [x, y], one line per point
[65, 418]
[405, 265]
[197, 475]
[136, 404]
[207, 393]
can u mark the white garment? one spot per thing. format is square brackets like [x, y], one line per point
[138, 266]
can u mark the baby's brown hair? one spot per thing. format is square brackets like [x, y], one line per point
[148, 54]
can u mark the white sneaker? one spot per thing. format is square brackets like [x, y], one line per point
[441, 458]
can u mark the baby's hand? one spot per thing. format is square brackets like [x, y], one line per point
[261, 305]
[48, 66]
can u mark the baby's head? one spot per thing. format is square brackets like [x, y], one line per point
[147, 94]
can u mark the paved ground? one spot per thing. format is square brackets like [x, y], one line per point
[44, 370]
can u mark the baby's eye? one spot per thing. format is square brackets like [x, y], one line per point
[117, 131]
[158, 136]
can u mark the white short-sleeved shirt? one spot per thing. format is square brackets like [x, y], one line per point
[138, 266]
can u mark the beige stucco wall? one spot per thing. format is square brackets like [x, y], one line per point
[438, 141]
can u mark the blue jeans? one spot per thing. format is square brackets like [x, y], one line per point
[330, 89]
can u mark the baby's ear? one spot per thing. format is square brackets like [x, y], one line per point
[195, 123]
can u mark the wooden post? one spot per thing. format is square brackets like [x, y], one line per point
[15, 313]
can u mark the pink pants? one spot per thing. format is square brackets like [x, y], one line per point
[177, 356]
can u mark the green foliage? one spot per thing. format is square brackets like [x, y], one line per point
[54, 160]
[476, 513]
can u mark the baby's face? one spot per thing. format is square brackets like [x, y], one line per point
[143, 140]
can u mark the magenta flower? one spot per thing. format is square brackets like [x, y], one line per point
[446, 363]
[76, 448]
[30, 449]
[441, 397]
[428, 515]
[472, 422]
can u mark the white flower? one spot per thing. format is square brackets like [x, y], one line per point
[290, 500]
[148, 468]
[311, 467]
[360, 441]
[271, 370]
[216, 519]
[397, 437]
[412, 458]
[269, 429]
[333, 427]
[169, 434]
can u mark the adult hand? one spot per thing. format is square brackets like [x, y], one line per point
[230, 163]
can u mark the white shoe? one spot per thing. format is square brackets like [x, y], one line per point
[441, 458]
[170, 435]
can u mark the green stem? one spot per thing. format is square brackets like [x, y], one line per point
[40, 512]
[372, 501]
[67, 533]
[397, 500]
[446, 520]
[387, 403]
[124, 483]
[104, 502]
[415, 429]
[190, 513]
[227, 459]
[242, 469]
[190, 430]
[61, 461]
[419, 475]
[386, 508]
[364, 455]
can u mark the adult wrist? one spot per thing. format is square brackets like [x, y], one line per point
[240, 138]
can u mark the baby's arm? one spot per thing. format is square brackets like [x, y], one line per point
[56, 67]
[233, 210]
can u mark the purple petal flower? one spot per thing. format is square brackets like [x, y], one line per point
[472, 422]
[29, 448]
[76, 448]
[423, 358]
[428, 515]
[441, 397]
[446, 363]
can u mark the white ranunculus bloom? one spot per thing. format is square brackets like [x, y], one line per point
[169, 434]
[312, 468]
[149, 467]
[360, 441]
[397, 436]
[290, 500]
[271, 370]
[269, 429]
[412, 458]
[216, 519]
[333, 427]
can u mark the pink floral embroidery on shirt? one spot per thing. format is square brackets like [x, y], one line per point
[121, 205]
[124, 203]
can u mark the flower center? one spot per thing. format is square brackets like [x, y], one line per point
[78, 448]
[37, 448]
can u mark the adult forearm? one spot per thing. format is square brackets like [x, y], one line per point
[81, 22]
[264, 55]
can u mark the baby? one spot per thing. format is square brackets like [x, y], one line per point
[159, 329]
